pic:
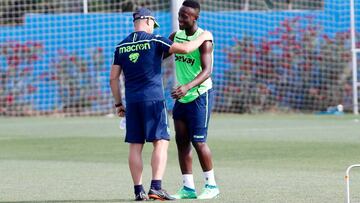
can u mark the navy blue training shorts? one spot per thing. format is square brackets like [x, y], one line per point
[146, 121]
[196, 115]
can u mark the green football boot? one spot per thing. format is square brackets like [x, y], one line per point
[185, 193]
[209, 192]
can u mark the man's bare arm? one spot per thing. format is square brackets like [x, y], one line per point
[171, 37]
[187, 47]
[115, 89]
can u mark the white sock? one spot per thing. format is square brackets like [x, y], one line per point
[210, 177]
[188, 181]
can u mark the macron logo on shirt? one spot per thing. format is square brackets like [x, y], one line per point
[134, 47]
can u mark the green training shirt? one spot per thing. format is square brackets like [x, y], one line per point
[188, 66]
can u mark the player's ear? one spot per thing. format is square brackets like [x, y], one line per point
[197, 14]
[196, 17]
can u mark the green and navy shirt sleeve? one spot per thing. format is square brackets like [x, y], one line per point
[164, 43]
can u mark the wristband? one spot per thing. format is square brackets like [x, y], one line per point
[118, 105]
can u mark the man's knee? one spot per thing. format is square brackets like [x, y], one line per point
[160, 143]
[199, 145]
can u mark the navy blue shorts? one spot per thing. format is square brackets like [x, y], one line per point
[196, 115]
[146, 121]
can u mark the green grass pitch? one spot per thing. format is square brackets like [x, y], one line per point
[257, 158]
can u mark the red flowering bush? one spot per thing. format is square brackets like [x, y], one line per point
[295, 67]
[78, 80]
[17, 77]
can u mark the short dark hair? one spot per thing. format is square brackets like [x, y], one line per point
[192, 4]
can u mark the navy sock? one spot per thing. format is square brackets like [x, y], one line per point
[156, 184]
[138, 188]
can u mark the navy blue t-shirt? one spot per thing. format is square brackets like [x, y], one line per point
[140, 55]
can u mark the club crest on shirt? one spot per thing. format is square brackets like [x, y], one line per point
[134, 57]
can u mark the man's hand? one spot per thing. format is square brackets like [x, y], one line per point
[179, 92]
[120, 111]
